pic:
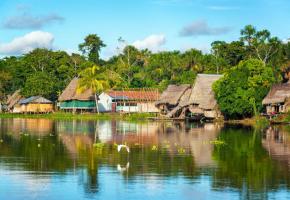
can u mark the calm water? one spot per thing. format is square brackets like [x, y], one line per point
[45, 159]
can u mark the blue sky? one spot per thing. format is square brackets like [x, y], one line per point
[155, 24]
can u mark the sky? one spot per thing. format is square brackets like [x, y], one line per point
[154, 24]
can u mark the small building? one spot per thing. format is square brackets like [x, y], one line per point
[193, 102]
[72, 101]
[35, 104]
[202, 99]
[12, 102]
[141, 100]
[170, 98]
[278, 99]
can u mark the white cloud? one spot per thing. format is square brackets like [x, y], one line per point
[152, 42]
[26, 43]
[201, 27]
[28, 21]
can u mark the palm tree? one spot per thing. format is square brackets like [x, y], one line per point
[95, 79]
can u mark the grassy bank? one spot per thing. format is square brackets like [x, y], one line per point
[87, 116]
[258, 122]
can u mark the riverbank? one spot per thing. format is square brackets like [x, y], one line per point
[254, 121]
[281, 119]
[84, 116]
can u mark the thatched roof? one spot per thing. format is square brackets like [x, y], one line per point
[172, 94]
[35, 99]
[202, 93]
[13, 99]
[277, 94]
[70, 92]
[184, 99]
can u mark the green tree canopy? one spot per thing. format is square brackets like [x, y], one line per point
[40, 83]
[243, 87]
[91, 47]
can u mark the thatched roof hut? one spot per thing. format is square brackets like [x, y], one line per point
[172, 94]
[70, 92]
[198, 100]
[36, 104]
[13, 99]
[202, 93]
[278, 99]
[278, 94]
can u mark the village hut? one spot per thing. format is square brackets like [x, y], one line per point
[170, 98]
[278, 99]
[202, 99]
[133, 100]
[12, 102]
[71, 100]
[35, 104]
[191, 102]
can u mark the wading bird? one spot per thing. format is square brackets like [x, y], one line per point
[120, 146]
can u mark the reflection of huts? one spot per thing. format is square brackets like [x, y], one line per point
[276, 141]
[198, 101]
[35, 104]
[170, 98]
[277, 100]
[12, 102]
[71, 100]
[141, 100]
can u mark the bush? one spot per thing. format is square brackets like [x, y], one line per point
[241, 91]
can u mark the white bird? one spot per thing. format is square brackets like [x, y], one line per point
[120, 146]
[122, 169]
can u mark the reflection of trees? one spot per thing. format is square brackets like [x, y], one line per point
[244, 164]
[33, 154]
[62, 146]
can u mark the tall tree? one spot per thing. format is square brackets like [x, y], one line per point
[91, 47]
[263, 46]
[95, 79]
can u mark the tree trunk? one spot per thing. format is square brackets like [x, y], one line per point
[97, 103]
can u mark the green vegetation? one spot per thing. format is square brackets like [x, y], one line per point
[46, 72]
[241, 91]
[244, 161]
[84, 116]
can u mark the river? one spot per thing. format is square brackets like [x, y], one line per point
[75, 159]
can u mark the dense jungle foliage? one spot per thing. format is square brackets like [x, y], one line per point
[46, 72]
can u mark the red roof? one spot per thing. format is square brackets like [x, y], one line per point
[135, 95]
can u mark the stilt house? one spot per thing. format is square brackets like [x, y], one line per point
[278, 99]
[197, 101]
[71, 100]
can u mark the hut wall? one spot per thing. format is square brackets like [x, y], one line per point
[105, 103]
[287, 105]
[147, 107]
[274, 108]
[210, 114]
[36, 108]
[127, 107]
[76, 104]
[270, 109]
[16, 109]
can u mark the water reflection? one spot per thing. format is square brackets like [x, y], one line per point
[276, 140]
[217, 160]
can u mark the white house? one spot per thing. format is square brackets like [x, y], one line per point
[129, 101]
